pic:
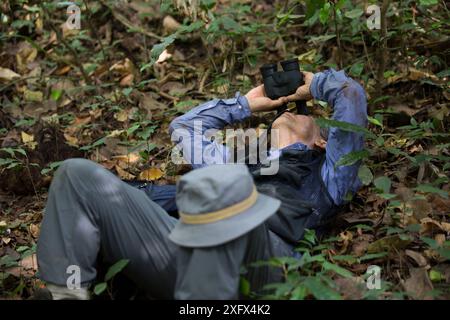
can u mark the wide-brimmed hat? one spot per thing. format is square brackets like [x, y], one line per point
[217, 204]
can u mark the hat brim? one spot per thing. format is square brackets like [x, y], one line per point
[217, 233]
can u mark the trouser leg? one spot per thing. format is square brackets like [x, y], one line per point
[90, 212]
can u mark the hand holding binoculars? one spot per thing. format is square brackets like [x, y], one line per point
[283, 83]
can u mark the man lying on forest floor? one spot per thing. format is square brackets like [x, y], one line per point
[230, 215]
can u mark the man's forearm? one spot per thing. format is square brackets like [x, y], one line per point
[188, 131]
[343, 94]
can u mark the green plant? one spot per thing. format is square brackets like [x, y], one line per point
[112, 271]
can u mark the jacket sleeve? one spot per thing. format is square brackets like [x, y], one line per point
[349, 103]
[193, 131]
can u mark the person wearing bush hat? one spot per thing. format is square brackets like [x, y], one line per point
[221, 228]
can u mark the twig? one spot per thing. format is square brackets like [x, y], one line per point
[383, 46]
[338, 37]
[367, 56]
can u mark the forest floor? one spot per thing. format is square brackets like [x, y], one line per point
[102, 93]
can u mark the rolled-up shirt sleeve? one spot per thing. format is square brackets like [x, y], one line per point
[195, 132]
[349, 103]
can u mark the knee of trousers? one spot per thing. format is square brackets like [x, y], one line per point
[87, 176]
[79, 166]
[80, 170]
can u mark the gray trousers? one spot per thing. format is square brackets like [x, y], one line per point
[90, 213]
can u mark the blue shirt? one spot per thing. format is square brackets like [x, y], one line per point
[349, 104]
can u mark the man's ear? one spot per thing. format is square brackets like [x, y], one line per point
[320, 143]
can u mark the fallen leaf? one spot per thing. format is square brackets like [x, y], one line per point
[124, 174]
[26, 54]
[165, 55]
[34, 230]
[418, 285]
[417, 257]
[387, 243]
[35, 96]
[440, 238]
[27, 267]
[170, 25]
[121, 116]
[127, 81]
[131, 158]
[62, 71]
[151, 174]
[28, 140]
[73, 141]
[6, 240]
[8, 75]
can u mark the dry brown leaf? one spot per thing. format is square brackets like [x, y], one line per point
[417, 257]
[131, 158]
[8, 75]
[440, 238]
[127, 81]
[34, 230]
[445, 226]
[418, 285]
[151, 174]
[28, 140]
[170, 25]
[24, 56]
[387, 243]
[62, 71]
[124, 174]
[164, 56]
[429, 225]
[121, 116]
[73, 141]
[27, 267]
[35, 96]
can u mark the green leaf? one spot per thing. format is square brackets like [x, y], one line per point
[372, 256]
[345, 126]
[430, 189]
[383, 183]
[428, 2]
[436, 276]
[158, 49]
[365, 175]
[355, 13]
[56, 94]
[127, 91]
[116, 268]
[324, 13]
[310, 236]
[337, 269]
[319, 290]
[244, 286]
[374, 121]
[299, 293]
[357, 69]
[99, 288]
[352, 157]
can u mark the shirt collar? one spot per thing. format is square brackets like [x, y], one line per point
[276, 153]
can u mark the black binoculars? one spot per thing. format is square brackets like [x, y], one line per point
[283, 83]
